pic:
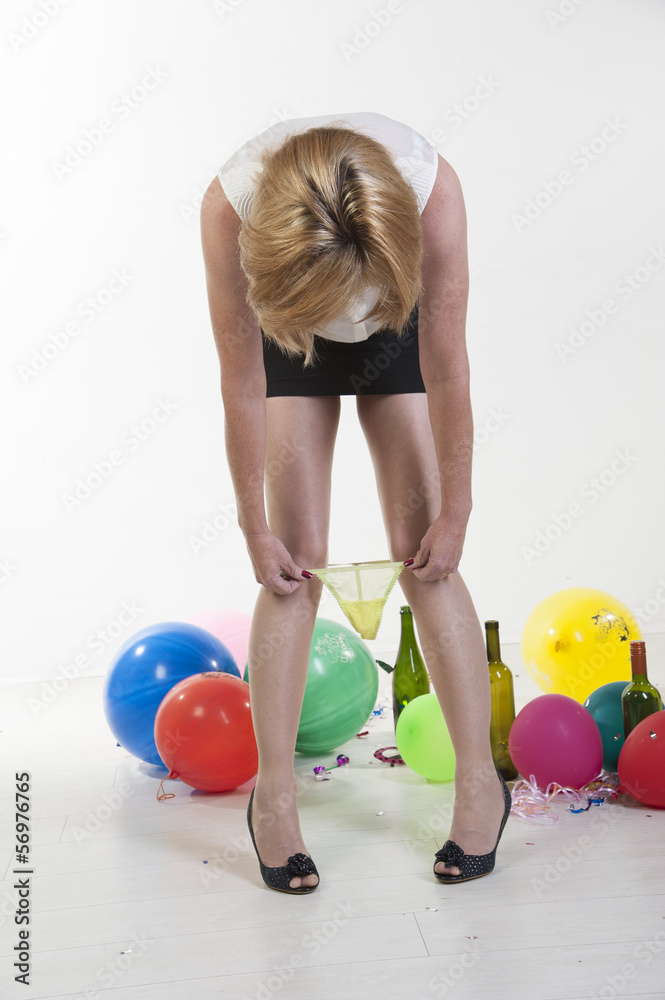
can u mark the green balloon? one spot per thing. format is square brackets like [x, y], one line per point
[341, 690]
[423, 739]
[342, 685]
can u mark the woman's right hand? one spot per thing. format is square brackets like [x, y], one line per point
[273, 566]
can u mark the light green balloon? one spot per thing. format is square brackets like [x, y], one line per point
[423, 739]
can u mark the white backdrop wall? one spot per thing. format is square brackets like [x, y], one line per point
[116, 117]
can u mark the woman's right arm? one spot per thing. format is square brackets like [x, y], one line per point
[243, 382]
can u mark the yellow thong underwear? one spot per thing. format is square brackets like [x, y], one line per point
[361, 590]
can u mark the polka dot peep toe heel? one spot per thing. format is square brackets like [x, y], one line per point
[297, 866]
[471, 865]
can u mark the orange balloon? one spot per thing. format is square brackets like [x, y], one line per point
[204, 732]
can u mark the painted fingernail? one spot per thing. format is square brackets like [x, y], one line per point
[409, 562]
[308, 576]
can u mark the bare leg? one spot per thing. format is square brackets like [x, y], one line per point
[455, 654]
[299, 451]
[400, 440]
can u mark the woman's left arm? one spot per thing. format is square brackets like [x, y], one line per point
[444, 365]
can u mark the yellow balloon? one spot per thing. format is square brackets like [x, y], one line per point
[578, 639]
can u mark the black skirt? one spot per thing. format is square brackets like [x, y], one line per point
[384, 363]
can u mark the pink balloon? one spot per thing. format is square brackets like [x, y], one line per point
[556, 739]
[232, 627]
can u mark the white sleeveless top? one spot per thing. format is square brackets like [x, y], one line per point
[415, 158]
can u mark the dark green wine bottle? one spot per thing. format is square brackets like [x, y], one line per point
[409, 676]
[503, 703]
[640, 698]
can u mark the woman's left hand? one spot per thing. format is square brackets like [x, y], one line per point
[440, 549]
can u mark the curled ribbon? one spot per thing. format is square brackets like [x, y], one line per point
[589, 803]
[161, 794]
[533, 803]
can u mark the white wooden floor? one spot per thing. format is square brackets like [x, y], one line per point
[135, 899]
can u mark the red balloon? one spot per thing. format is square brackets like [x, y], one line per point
[204, 732]
[556, 739]
[642, 761]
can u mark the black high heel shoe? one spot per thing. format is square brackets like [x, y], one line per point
[297, 866]
[471, 865]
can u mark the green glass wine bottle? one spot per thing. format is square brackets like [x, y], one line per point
[410, 675]
[503, 703]
[640, 698]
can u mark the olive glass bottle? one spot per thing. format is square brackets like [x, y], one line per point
[503, 703]
[410, 675]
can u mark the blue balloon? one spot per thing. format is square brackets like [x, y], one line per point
[145, 669]
[604, 704]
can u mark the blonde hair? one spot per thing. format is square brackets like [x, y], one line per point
[331, 217]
